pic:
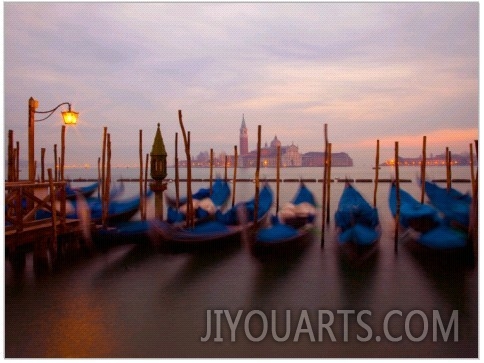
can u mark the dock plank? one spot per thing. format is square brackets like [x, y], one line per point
[33, 232]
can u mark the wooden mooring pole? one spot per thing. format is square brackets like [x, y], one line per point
[107, 187]
[474, 211]
[422, 170]
[257, 170]
[52, 203]
[234, 181]
[15, 168]
[328, 195]
[63, 151]
[11, 160]
[191, 219]
[377, 168]
[447, 168]
[55, 162]
[177, 175]
[103, 177]
[42, 164]
[473, 177]
[186, 139]
[211, 171]
[325, 179]
[278, 176]
[17, 162]
[99, 178]
[141, 196]
[143, 217]
[397, 186]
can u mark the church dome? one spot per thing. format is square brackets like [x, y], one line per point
[275, 143]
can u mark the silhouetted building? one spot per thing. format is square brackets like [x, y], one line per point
[433, 160]
[316, 158]
[290, 155]
[244, 138]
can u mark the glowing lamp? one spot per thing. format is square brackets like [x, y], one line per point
[70, 117]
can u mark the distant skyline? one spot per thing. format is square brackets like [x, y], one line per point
[387, 71]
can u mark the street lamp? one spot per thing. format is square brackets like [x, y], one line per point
[69, 117]
[158, 157]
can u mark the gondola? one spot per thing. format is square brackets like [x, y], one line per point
[87, 191]
[441, 246]
[420, 217]
[205, 203]
[431, 239]
[119, 210]
[301, 210]
[130, 232]
[454, 205]
[290, 231]
[358, 224]
[226, 229]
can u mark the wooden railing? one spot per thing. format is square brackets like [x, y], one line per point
[22, 202]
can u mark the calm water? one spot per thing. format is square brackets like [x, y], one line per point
[137, 301]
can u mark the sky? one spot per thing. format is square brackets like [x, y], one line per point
[387, 71]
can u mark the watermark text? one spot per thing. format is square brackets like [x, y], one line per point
[256, 326]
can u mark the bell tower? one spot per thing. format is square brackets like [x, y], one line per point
[244, 138]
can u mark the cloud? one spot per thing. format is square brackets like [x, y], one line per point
[368, 70]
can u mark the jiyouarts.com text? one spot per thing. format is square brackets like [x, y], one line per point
[328, 325]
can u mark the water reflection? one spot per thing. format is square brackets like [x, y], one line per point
[273, 271]
[79, 327]
[448, 274]
[198, 263]
[357, 279]
[126, 260]
[140, 301]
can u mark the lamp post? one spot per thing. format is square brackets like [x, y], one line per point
[69, 117]
[158, 172]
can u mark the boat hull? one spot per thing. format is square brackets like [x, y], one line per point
[284, 246]
[86, 191]
[131, 232]
[358, 254]
[448, 258]
[180, 239]
[114, 219]
[359, 230]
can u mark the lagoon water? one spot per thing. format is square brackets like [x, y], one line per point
[138, 301]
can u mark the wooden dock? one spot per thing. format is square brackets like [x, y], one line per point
[24, 232]
[38, 230]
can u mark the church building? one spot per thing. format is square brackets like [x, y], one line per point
[290, 155]
[244, 138]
